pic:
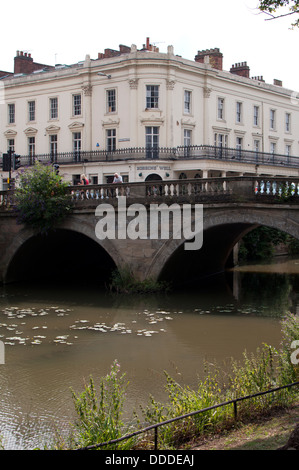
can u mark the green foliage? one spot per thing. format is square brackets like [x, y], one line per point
[272, 6]
[267, 368]
[289, 371]
[259, 244]
[183, 400]
[100, 413]
[42, 199]
[123, 281]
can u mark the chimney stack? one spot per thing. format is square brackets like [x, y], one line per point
[241, 69]
[277, 82]
[213, 56]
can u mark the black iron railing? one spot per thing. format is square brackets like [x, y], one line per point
[195, 152]
[156, 426]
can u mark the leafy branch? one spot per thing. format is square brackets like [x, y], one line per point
[270, 8]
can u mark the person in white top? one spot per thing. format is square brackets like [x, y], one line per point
[117, 178]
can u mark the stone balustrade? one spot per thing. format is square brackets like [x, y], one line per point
[185, 190]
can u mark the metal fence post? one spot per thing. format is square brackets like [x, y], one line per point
[235, 409]
[156, 438]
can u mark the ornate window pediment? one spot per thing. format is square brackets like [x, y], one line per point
[52, 129]
[111, 122]
[76, 125]
[10, 133]
[152, 120]
[30, 131]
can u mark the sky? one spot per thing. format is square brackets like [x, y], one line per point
[65, 31]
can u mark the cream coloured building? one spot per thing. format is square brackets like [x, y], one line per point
[146, 114]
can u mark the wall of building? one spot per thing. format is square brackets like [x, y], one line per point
[131, 71]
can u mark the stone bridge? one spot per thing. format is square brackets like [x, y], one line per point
[231, 208]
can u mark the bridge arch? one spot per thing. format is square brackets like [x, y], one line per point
[222, 229]
[69, 253]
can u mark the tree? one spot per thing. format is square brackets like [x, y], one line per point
[270, 7]
[42, 198]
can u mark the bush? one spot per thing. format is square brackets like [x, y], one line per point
[100, 413]
[41, 198]
[123, 282]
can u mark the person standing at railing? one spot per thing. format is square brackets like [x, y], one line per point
[84, 180]
[117, 178]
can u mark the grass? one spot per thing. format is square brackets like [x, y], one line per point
[268, 432]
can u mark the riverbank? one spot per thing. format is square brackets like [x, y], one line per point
[264, 433]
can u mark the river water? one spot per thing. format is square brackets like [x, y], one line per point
[56, 336]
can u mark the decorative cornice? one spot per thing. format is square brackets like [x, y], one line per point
[10, 133]
[111, 122]
[152, 120]
[52, 129]
[76, 125]
[30, 131]
[188, 122]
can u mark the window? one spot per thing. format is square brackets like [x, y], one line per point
[94, 179]
[256, 116]
[272, 119]
[187, 138]
[77, 105]
[53, 108]
[111, 140]
[288, 150]
[220, 143]
[53, 145]
[31, 146]
[11, 114]
[220, 114]
[187, 102]
[220, 140]
[239, 144]
[11, 145]
[77, 146]
[272, 147]
[152, 96]
[152, 142]
[239, 112]
[31, 110]
[111, 101]
[256, 146]
[288, 122]
[187, 142]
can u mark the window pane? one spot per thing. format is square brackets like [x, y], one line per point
[53, 108]
[31, 110]
[77, 105]
[111, 101]
[152, 96]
